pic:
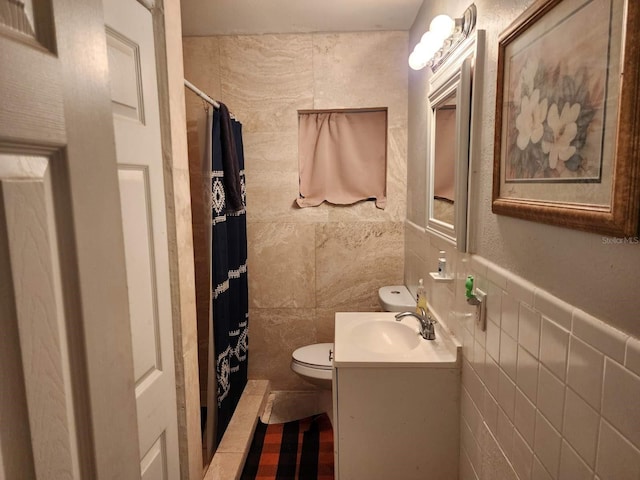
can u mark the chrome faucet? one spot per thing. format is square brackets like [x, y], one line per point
[427, 329]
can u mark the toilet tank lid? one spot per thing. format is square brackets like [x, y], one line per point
[396, 298]
[314, 355]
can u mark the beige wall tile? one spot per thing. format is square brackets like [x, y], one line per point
[363, 211]
[225, 465]
[353, 260]
[281, 265]
[257, 387]
[325, 324]
[270, 152]
[397, 171]
[192, 412]
[354, 70]
[271, 199]
[202, 63]
[237, 437]
[274, 333]
[266, 79]
[202, 68]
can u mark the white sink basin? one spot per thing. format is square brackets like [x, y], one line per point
[368, 339]
[385, 337]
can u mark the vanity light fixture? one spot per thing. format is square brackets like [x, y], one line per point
[441, 39]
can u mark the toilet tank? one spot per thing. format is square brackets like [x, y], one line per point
[396, 298]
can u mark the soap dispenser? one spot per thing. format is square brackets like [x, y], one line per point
[421, 298]
[442, 264]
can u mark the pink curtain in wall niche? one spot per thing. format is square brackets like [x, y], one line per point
[342, 157]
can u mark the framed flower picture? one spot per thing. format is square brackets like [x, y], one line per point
[567, 140]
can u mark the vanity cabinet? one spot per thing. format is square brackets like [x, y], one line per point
[395, 416]
[396, 423]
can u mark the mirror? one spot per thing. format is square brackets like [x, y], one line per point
[444, 161]
[450, 126]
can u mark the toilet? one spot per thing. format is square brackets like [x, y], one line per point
[314, 363]
[396, 298]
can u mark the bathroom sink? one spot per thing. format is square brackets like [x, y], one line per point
[385, 336]
[368, 339]
[396, 398]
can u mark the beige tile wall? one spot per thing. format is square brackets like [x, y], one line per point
[549, 391]
[181, 248]
[306, 264]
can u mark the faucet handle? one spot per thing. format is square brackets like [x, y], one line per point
[427, 316]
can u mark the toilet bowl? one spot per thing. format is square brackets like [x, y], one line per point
[314, 364]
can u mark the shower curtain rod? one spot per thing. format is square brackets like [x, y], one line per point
[200, 93]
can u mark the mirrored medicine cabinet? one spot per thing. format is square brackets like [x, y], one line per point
[451, 107]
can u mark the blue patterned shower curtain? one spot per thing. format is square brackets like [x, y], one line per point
[229, 265]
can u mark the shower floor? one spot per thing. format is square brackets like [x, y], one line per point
[286, 406]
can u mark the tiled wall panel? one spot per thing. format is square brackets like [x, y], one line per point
[557, 390]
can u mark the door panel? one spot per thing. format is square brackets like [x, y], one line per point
[124, 71]
[37, 323]
[65, 347]
[139, 252]
[136, 118]
[153, 465]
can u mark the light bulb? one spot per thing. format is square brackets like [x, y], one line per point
[429, 44]
[442, 26]
[416, 62]
[427, 38]
[421, 50]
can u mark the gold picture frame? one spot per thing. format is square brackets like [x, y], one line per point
[567, 138]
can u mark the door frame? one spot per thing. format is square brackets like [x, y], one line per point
[167, 29]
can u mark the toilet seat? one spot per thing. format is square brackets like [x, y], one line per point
[313, 362]
[315, 356]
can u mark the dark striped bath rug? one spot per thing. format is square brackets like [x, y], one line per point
[298, 450]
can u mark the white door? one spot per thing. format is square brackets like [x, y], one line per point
[67, 409]
[136, 118]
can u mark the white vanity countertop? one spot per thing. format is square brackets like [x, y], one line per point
[356, 350]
